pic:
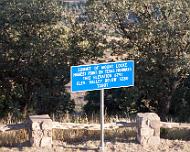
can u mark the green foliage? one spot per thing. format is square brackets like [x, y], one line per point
[156, 35]
[37, 49]
[120, 101]
[33, 66]
[180, 106]
[93, 105]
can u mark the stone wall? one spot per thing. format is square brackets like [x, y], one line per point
[148, 129]
[147, 124]
[40, 130]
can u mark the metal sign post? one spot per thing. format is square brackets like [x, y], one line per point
[102, 120]
[99, 77]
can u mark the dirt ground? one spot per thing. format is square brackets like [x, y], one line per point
[92, 146]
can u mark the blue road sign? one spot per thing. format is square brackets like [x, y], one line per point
[102, 76]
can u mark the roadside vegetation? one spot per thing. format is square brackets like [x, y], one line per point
[40, 41]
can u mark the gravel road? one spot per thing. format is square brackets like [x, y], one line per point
[92, 146]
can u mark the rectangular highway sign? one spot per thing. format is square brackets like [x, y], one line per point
[102, 76]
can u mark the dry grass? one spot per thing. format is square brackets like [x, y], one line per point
[121, 134]
[20, 137]
[14, 138]
[94, 118]
[175, 133]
